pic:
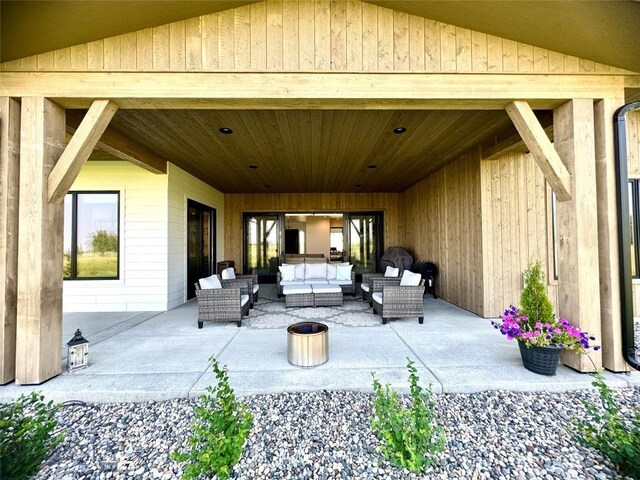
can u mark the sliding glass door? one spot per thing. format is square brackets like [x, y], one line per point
[201, 236]
[365, 242]
[262, 245]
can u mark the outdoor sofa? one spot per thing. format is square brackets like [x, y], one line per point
[317, 274]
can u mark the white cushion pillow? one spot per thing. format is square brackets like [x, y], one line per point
[287, 272]
[228, 274]
[389, 272]
[299, 273]
[332, 271]
[343, 272]
[315, 270]
[410, 279]
[210, 282]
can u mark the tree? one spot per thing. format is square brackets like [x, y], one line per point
[534, 301]
[103, 241]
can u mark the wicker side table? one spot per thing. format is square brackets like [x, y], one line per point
[327, 295]
[298, 296]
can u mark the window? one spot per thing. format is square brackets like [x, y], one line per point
[91, 235]
[634, 225]
[554, 235]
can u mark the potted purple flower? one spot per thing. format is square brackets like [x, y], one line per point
[541, 337]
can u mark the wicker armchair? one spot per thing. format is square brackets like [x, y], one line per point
[374, 282]
[250, 280]
[222, 304]
[397, 301]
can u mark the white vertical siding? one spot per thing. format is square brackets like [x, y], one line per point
[143, 242]
[183, 186]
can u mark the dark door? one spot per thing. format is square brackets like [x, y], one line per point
[262, 245]
[365, 242]
[201, 235]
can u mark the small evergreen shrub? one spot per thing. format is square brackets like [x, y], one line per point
[617, 438]
[219, 429]
[534, 300]
[411, 437]
[27, 435]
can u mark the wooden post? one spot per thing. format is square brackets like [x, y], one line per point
[608, 236]
[9, 188]
[578, 272]
[39, 311]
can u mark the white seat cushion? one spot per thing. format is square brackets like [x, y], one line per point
[326, 289]
[377, 297]
[228, 274]
[296, 289]
[256, 288]
[365, 287]
[287, 272]
[410, 279]
[339, 282]
[210, 282]
[243, 300]
[292, 283]
[318, 281]
[391, 272]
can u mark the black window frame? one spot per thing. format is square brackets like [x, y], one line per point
[74, 234]
[634, 183]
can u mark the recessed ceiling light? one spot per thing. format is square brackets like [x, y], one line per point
[267, 186]
[253, 166]
[225, 130]
[358, 185]
[399, 130]
[372, 166]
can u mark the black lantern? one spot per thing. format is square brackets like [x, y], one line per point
[78, 352]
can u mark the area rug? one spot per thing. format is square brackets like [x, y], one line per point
[271, 313]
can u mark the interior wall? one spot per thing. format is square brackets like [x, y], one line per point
[516, 229]
[441, 223]
[317, 236]
[236, 204]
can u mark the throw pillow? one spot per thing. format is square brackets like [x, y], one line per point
[391, 272]
[410, 279]
[299, 273]
[287, 272]
[315, 270]
[210, 282]
[228, 274]
[343, 272]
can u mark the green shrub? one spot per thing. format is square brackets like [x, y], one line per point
[411, 437]
[605, 430]
[534, 300]
[220, 426]
[27, 435]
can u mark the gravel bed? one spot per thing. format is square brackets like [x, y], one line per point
[326, 435]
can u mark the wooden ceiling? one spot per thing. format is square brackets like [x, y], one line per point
[309, 150]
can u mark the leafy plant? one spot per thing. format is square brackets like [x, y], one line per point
[411, 437]
[534, 301]
[220, 426]
[103, 241]
[27, 435]
[617, 438]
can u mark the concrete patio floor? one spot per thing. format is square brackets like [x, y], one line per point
[162, 355]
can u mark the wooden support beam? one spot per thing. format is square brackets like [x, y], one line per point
[79, 148]
[578, 265]
[541, 148]
[610, 314]
[119, 145]
[510, 141]
[39, 307]
[325, 90]
[9, 188]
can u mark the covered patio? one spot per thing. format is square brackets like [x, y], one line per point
[162, 355]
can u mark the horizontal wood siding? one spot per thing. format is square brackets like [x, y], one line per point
[441, 223]
[143, 242]
[183, 186]
[307, 35]
[236, 204]
[515, 228]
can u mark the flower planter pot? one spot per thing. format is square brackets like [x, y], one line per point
[540, 360]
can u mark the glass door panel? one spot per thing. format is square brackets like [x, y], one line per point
[262, 245]
[200, 240]
[365, 241]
